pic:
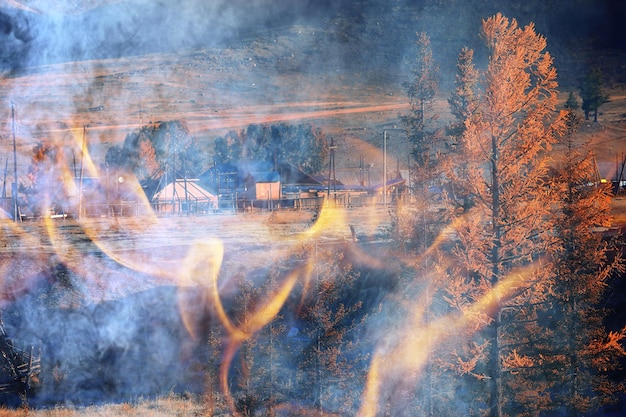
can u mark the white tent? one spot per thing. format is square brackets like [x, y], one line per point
[184, 195]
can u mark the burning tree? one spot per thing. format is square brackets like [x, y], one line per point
[503, 232]
[48, 178]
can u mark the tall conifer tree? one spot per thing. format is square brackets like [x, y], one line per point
[585, 263]
[592, 94]
[422, 91]
[425, 143]
[463, 100]
[503, 231]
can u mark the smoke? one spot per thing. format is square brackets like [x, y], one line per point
[50, 34]
[41, 33]
[115, 350]
[16, 36]
[108, 304]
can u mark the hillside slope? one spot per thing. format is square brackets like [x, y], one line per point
[222, 66]
[370, 35]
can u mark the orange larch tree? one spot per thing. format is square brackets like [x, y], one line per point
[502, 229]
[559, 355]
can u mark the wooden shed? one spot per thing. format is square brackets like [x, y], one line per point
[263, 185]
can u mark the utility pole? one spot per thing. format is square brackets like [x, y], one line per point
[74, 164]
[384, 167]
[16, 209]
[361, 177]
[185, 186]
[106, 189]
[408, 180]
[331, 168]
[620, 176]
[4, 183]
[80, 183]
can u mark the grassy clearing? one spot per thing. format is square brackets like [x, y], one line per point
[161, 407]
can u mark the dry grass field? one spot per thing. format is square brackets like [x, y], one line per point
[162, 407]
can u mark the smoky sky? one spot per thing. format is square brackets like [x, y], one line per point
[135, 27]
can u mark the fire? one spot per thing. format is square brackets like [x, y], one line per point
[400, 355]
[417, 339]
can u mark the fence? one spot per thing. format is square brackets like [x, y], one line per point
[123, 209]
[133, 208]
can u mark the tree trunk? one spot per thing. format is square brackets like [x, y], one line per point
[495, 386]
[494, 352]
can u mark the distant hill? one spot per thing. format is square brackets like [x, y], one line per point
[373, 36]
